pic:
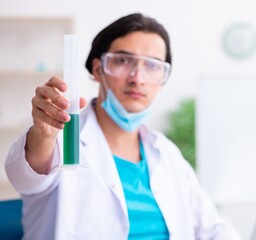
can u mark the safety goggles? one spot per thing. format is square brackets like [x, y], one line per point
[124, 65]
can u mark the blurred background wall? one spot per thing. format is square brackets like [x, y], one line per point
[209, 39]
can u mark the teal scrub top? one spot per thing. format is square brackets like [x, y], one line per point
[145, 217]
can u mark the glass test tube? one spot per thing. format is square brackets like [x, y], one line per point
[71, 75]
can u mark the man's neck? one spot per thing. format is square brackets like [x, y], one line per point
[123, 144]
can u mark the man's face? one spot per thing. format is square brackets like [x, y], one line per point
[136, 92]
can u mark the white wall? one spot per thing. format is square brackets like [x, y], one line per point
[226, 136]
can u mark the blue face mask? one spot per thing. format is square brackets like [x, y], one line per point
[127, 121]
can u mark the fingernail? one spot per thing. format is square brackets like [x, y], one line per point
[64, 104]
[62, 86]
[65, 117]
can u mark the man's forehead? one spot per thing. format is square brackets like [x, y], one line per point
[140, 43]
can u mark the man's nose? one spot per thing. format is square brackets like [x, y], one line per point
[137, 75]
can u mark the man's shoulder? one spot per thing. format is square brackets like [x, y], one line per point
[161, 138]
[169, 149]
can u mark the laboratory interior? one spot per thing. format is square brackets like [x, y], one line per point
[212, 83]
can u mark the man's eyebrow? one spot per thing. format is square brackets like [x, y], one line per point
[129, 53]
[125, 52]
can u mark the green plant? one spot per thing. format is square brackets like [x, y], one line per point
[182, 129]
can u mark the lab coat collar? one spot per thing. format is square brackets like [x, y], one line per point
[91, 132]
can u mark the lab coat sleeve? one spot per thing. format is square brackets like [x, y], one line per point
[208, 223]
[24, 179]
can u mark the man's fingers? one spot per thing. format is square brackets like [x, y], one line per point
[49, 93]
[41, 116]
[49, 108]
[57, 83]
[48, 104]
[83, 102]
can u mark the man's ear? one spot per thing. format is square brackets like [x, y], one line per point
[96, 69]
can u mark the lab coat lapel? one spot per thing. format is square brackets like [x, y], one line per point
[163, 182]
[101, 159]
[165, 198]
[173, 200]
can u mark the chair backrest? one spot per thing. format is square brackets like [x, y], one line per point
[10, 220]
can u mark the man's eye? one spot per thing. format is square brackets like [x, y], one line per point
[121, 60]
[151, 65]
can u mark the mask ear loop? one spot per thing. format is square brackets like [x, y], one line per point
[104, 84]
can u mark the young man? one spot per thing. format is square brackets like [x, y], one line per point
[133, 183]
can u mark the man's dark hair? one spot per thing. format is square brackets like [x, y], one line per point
[121, 27]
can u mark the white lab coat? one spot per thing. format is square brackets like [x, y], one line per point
[88, 202]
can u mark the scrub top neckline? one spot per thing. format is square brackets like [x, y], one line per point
[130, 163]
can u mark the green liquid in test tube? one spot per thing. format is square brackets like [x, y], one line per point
[72, 78]
[71, 140]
